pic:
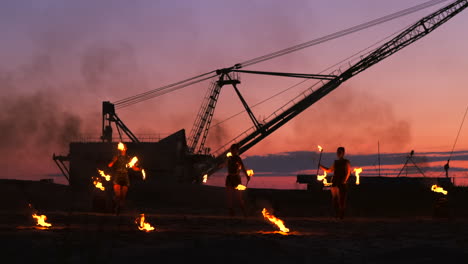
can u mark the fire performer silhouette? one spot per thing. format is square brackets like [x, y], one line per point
[342, 169]
[121, 163]
[233, 179]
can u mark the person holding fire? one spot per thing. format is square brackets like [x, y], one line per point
[121, 181]
[233, 179]
[342, 170]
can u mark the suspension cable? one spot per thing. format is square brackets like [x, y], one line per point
[196, 79]
[342, 32]
[458, 134]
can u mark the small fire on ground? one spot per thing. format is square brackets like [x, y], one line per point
[205, 178]
[438, 189]
[277, 222]
[41, 220]
[142, 225]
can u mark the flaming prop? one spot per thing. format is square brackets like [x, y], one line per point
[121, 146]
[98, 184]
[241, 187]
[438, 189]
[132, 162]
[278, 222]
[205, 178]
[143, 174]
[323, 178]
[357, 172]
[41, 220]
[229, 154]
[320, 158]
[107, 177]
[250, 173]
[142, 225]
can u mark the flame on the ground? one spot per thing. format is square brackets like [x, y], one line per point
[357, 171]
[41, 220]
[436, 188]
[107, 177]
[121, 146]
[323, 179]
[241, 187]
[205, 178]
[320, 148]
[250, 173]
[132, 162]
[143, 174]
[229, 154]
[278, 222]
[98, 184]
[142, 225]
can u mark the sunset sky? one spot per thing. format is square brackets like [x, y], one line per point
[60, 59]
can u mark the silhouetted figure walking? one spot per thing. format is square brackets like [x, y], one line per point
[341, 169]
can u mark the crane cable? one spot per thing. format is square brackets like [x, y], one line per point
[342, 32]
[193, 80]
[458, 134]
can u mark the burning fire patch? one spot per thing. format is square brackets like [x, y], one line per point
[277, 222]
[142, 225]
[205, 178]
[438, 189]
[41, 220]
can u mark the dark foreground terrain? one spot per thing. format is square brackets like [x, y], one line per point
[409, 226]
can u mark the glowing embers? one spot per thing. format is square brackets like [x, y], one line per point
[41, 221]
[277, 222]
[323, 179]
[142, 225]
[438, 189]
[241, 187]
[357, 171]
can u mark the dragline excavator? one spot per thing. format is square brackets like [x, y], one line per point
[213, 161]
